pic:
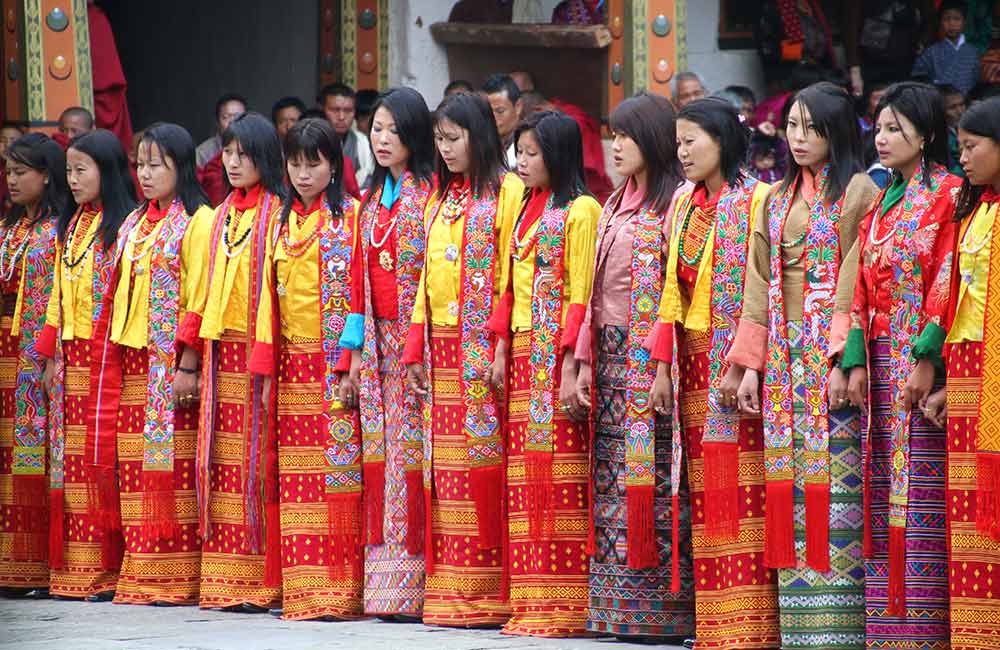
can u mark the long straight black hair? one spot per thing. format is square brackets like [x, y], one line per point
[832, 114]
[44, 155]
[648, 119]
[259, 140]
[486, 155]
[310, 138]
[176, 143]
[117, 189]
[982, 119]
[720, 120]
[559, 139]
[415, 128]
[922, 105]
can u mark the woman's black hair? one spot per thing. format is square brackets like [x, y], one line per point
[117, 189]
[415, 128]
[471, 112]
[831, 112]
[561, 145]
[648, 119]
[176, 143]
[721, 122]
[259, 140]
[43, 154]
[922, 105]
[311, 138]
[982, 119]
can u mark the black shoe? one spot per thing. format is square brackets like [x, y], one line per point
[162, 603]
[689, 643]
[39, 594]
[276, 612]
[14, 592]
[103, 597]
[250, 608]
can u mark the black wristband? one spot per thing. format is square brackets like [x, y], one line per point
[187, 371]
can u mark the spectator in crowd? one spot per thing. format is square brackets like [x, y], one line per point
[881, 37]
[954, 107]
[951, 60]
[688, 87]
[525, 80]
[285, 113]
[365, 100]
[533, 101]
[458, 86]
[748, 101]
[74, 121]
[8, 133]
[505, 100]
[227, 108]
[339, 104]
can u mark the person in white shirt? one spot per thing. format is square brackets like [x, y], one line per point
[339, 103]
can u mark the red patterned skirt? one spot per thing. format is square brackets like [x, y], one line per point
[312, 586]
[231, 572]
[155, 569]
[394, 579]
[23, 503]
[736, 596]
[464, 582]
[82, 574]
[975, 559]
[548, 577]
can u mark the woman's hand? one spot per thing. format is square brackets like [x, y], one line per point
[857, 387]
[836, 389]
[349, 387]
[496, 373]
[748, 394]
[730, 386]
[935, 408]
[919, 385]
[416, 379]
[661, 395]
[187, 387]
[567, 390]
[49, 377]
[584, 380]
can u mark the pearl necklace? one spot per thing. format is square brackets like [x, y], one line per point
[299, 247]
[7, 273]
[234, 250]
[965, 247]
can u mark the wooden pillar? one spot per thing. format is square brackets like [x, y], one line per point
[13, 62]
[616, 54]
[57, 71]
[329, 42]
[364, 43]
[648, 46]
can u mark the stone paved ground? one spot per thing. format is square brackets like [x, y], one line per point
[63, 625]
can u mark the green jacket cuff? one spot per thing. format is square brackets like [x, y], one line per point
[855, 355]
[930, 343]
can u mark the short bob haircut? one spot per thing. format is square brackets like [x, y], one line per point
[44, 155]
[832, 115]
[312, 138]
[648, 119]
[923, 106]
[983, 119]
[561, 145]
[117, 188]
[720, 120]
[471, 112]
[258, 139]
[415, 128]
[175, 143]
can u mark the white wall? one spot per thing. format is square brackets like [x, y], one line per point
[719, 68]
[415, 58]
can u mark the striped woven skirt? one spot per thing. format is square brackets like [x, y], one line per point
[155, 569]
[232, 573]
[312, 586]
[826, 611]
[548, 570]
[624, 601]
[736, 596]
[82, 574]
[394, 579]
[974, 576]
[23, 499]
[925, 625]
[464, 581]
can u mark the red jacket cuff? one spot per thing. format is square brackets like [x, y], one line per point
[46, 343]
[499, 322]
[344, 361]
[661, 347]
[574, 321]
[749, 348]
[413, 349]
[262, 359]
[187, 333]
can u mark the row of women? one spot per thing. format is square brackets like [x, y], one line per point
[713, 408]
